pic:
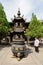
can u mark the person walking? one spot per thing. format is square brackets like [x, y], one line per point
[36, 44]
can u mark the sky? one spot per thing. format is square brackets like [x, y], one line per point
[27, 7]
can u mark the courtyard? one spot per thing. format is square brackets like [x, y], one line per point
[32, 58]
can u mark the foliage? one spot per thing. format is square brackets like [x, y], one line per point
[35, 28]
[4, 25]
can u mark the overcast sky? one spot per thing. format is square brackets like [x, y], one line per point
[27, 7]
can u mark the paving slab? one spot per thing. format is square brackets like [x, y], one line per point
[32, 58]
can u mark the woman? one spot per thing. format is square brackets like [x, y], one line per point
[36, 44]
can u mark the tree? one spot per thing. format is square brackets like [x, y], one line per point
[35, 28]
[3, 18]
[4, 25]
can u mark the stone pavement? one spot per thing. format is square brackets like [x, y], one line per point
[32, 58]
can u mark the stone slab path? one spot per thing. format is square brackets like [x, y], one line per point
[32, 58]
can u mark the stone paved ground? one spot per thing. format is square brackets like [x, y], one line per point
[32, 57]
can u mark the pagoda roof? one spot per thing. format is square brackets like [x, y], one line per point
[18, 17]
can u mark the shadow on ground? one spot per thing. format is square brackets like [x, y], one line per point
[28, 51]
[41, 46]
[3, 46]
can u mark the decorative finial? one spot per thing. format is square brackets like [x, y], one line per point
[12, 19]
[22, 16]
[18, 9]
[14, 16]
[19, 12]
[25, 19]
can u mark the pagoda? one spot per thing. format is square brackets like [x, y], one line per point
[18, 41]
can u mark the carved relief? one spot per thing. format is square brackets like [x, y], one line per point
[20, 24]
[16, 24]
[16, 36]
[21, 36]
